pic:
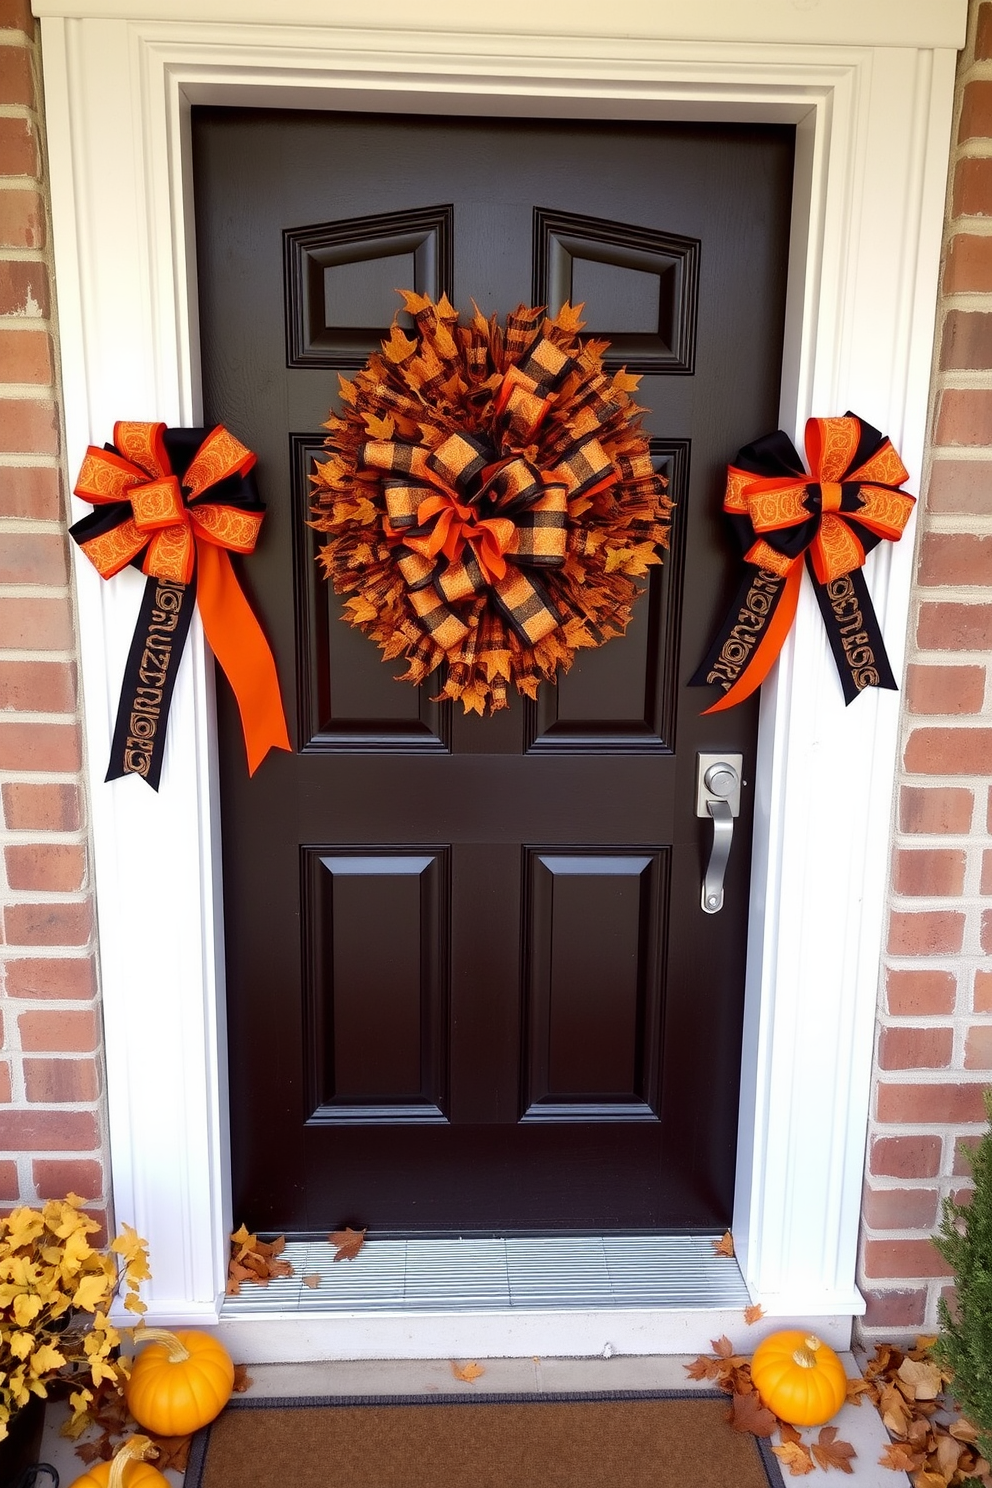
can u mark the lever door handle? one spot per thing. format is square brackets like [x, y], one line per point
[723, 836]
[718, 796]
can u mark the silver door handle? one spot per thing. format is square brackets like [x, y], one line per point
[718, 796]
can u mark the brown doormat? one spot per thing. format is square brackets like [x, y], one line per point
[664, 1439]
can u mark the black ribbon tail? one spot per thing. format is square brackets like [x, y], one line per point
[149, 678]
[854, 633]
[742, 629]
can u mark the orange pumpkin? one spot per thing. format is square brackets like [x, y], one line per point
[180, 1382]
[126, 1470]
[799, 1378]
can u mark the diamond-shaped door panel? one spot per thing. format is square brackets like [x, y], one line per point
[639, 286]
[341, 280]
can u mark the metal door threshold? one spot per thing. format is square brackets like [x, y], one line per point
[516, 1274]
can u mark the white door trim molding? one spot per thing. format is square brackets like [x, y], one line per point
[873, 124]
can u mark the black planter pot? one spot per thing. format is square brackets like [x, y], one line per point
[21, 1446]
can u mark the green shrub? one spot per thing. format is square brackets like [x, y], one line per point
[965, 1344]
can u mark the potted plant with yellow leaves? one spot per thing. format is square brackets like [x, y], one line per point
[56, 1289]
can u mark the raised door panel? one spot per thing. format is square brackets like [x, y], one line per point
[639, 286]
[594, 951]
[376, 933]
[347, 697]
[341, 280]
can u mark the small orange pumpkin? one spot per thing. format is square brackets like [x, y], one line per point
[126, 1470]
[799, 1378]
[180, 1382]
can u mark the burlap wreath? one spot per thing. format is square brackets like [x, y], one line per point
[489, 499]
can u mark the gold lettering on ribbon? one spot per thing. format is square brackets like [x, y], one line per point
[146, 707]
[854, 638]
[737, 649]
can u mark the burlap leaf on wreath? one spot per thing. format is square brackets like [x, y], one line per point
[489, 499]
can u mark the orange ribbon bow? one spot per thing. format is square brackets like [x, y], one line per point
[827, 521]
[185, 525]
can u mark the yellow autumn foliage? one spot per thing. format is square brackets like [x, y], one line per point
[56, 1289]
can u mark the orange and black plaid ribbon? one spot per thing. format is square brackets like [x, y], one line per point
[826, 521]
[176, 502]
[475, 514]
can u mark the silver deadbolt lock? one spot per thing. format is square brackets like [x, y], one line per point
[718, 796]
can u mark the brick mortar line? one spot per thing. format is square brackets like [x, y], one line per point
[942, 720]
[11, 589]
[32, 526]
[13, 460]
[60, 1154]
[971, 301]
[927, 656]
[934, 1077]
[966, 224]
[924, 1021]
[977, 454]
[946, 524]
[886, 1183]
[59, 897]
[24, 255]
[11, 36]
[28, 837]
[30, 717]
[24, 392]
[40, 777]
[49, 953]
[964, 380]
[20, 653]
[930, 841]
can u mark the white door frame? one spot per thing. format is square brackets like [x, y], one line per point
[870, 88]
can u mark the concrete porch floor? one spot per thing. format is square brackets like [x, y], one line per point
[433, 1377]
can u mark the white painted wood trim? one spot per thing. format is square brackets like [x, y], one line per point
[873, 126]
[877, 23]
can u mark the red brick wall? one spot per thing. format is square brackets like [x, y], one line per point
[51, 1080]
[934, 1039]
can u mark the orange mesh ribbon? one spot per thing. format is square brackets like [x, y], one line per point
[177, 502]
[826, 521]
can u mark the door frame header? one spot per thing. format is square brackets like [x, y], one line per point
[872, 138]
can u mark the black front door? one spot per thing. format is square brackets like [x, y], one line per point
[470, 983]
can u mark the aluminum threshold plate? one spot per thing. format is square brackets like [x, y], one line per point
[544, 1273]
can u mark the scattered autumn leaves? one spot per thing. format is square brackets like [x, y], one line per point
[259, 1261]
[108, 1422]
[932, 1442]
[731, 1373]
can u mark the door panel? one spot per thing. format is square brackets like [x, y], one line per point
[470, 984]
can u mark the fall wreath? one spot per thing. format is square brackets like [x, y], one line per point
[489, 499]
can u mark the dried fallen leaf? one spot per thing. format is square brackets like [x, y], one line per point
[753, 1313]
[347, 1243]
[703, 1368]
[796, 1457]
[312, 1280]
[948, 1454]
[748, 1414]
[901, 1458]
[963, 1430]
[895, 1416]
[829, 1452]
[724, 1349]
[254, 1260]
[919, 1379]
[242, 1379]
[173, 1452]
[467, 1372]
[724, 1246]
[856, 1388]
